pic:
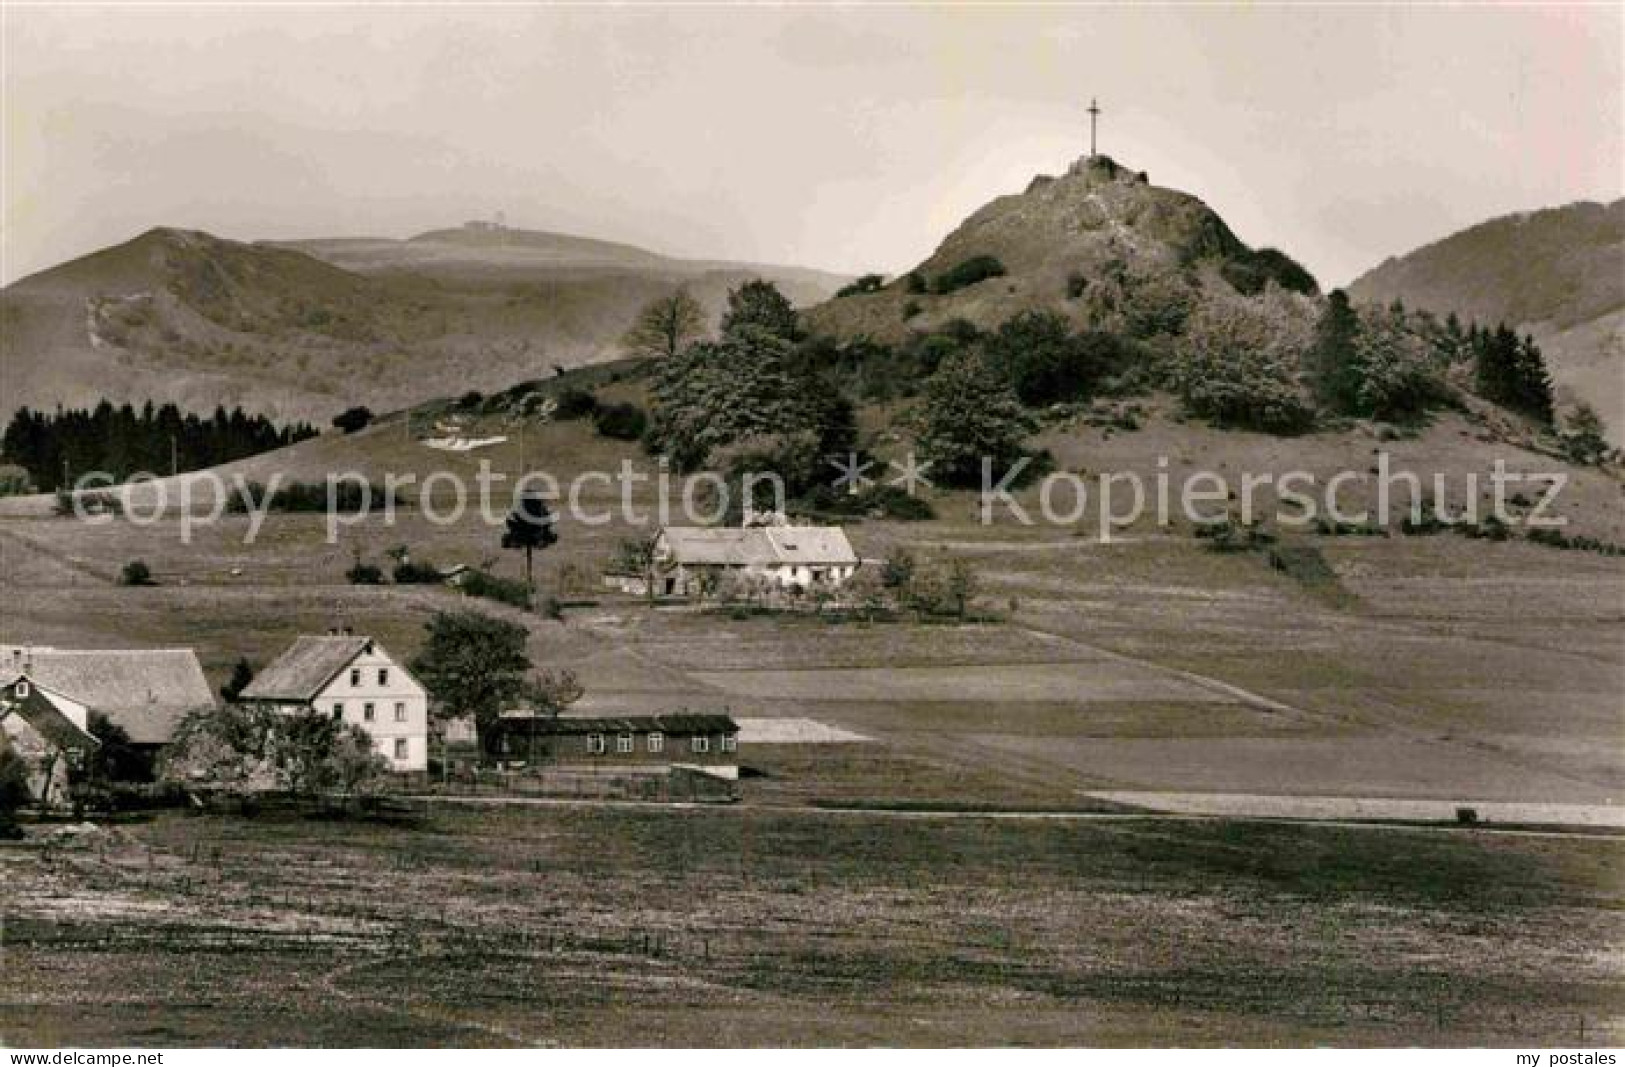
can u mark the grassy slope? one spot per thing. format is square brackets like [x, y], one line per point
[294, 329]
[1556, 273]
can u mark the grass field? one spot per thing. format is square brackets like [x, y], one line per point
[740, 926]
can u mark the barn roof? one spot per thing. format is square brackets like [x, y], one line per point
[305, 668]
[758, 545]
[679, 722]
[146, 691]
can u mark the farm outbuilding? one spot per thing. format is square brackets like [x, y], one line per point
[707, 742]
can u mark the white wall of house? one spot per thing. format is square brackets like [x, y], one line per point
[376, 694]
[79, 713]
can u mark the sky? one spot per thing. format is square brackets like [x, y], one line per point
[851, 138]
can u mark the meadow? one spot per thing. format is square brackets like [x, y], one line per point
[740, 926]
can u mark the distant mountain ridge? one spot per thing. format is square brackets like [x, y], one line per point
[304, 329]
[1557, 273]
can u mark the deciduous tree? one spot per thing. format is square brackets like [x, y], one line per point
[665, 326]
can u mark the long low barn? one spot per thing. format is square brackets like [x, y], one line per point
[705, 741]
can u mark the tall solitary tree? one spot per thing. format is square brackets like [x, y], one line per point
[665, 326]
[530, 527]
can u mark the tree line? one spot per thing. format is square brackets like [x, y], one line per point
[57, 448]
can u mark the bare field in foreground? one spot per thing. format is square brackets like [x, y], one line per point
[733, 926]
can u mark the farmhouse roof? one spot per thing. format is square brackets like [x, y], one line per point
[758, 545]
[146, 691]
[47, 719]
[680, 722]
[305, 668]
[721, 546]
[810, 544]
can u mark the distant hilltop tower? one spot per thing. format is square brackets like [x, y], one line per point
[1094, 119]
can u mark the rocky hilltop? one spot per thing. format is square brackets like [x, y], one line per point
[1097, 244]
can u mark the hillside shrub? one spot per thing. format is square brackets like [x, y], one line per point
[365, 574]
[969, 272]
[415, 572]
[869, 283]
[575, 403]
[14, 480]
[352, 419]
[1227, 535]
[136, 572]
[622, 422]
[490, 587]
[348, 496]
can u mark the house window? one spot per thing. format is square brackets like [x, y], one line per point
[22, 690]
[400, 711]
[623, 743]
[368, 713]
[355, 676]
[699, 743]
[595, 744]
[383, 675]
[338, 709]
[400, 748]
[730, 743]
[657, 741]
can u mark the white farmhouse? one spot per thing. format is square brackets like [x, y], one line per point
[690, 560]
[355, 680]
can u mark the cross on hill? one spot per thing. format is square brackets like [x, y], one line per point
[1094, 117]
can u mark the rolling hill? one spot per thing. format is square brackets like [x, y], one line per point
[304, 329]
[1558, 274]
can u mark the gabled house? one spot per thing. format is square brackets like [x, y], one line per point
[692, 560]
[52, 741]
[356, 681]
[145, 691]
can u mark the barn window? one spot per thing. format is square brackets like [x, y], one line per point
[400, 748]
[383, 675]
[699, 743]
[595, 744]
[368, 712]
[623, 743]
[730, 743]
[400, 711]
[657, 741]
